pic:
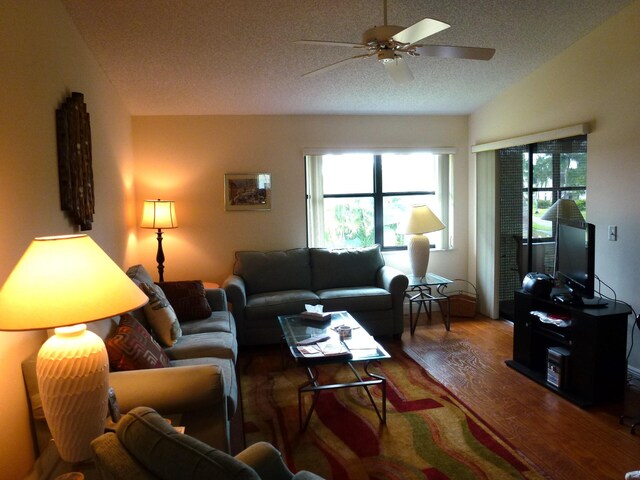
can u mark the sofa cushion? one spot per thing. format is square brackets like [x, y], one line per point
[219, 344]
[161, 315]
[350, 267]
[274, 271]
[187, 299]
[272, 304]
[139, 274]
[356, 299]
[218, 321]
[170, 455]
[132, 348]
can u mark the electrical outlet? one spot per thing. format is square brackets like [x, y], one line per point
[613, 233]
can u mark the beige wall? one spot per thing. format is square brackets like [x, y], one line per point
[597, 80]
[43, 59]
[185, 158]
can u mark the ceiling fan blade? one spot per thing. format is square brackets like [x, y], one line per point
[398, 70]
[423, 29]
[448, 51]
[327, 43]
[326, 68]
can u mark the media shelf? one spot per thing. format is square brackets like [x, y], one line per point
[595, 342]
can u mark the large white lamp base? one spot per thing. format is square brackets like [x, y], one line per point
[419, 248]
[73, 378]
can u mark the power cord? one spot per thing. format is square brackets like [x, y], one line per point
[636, 316]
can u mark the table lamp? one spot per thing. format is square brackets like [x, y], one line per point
[421, 221]
[62, 283]
[563, 209]
[159, 214]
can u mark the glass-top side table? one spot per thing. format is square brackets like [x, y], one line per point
[421, 291]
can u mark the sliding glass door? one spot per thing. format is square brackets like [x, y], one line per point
[539, 184]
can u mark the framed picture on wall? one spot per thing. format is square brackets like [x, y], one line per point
[247, 191]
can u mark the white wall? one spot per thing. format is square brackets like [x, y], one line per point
[597, 80]
[43, 59]
[185, 158]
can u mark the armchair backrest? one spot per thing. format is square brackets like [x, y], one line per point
[145, 446]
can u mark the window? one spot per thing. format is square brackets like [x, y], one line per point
[558, 170]
[360, 199]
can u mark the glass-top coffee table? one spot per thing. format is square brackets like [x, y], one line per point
[359, 348]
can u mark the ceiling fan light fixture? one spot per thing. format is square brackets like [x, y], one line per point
[386, 55]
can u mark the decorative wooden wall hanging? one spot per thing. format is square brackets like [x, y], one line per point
[75, 169]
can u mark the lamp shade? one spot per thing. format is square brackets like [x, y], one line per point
[62, 281]
[159, 214]
[422, 220]
[563, 209]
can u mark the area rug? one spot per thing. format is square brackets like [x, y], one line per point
[429, 433]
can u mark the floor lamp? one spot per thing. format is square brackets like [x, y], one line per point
[421, 221]
[159, 214]
[63, 283]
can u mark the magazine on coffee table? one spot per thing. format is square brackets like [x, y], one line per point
[328, 348]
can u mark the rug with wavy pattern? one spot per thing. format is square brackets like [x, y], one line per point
[429, 433]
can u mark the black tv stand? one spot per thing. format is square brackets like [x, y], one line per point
[594, 340]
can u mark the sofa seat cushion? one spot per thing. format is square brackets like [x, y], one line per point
[220, 344]
[274, 271]
[272, 304]
[219, 321]
[356, 299]
[230, 381]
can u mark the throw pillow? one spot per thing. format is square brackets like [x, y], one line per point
[132, 348]
[188, 299]
[161, 315]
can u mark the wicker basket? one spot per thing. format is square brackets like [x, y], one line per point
[462, 302]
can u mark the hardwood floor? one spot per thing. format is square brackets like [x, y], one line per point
[567, 442]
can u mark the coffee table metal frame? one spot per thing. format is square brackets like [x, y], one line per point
[420, 291]
[296, 328]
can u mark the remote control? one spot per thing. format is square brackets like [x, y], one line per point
[312, 340]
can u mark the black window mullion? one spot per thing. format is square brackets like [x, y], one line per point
[378, 213]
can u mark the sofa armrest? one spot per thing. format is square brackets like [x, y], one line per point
[170, 390]
[217, 299]
[237, 293]
[266, 460]
[392, 280]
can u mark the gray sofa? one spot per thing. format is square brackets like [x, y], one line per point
[199, 388]
[267, 284]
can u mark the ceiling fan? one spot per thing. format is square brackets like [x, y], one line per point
[390, 42]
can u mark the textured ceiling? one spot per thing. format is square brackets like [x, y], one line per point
[199, 57]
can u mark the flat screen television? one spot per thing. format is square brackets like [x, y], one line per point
[575, 263]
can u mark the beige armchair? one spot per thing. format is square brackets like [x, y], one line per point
[144, 446]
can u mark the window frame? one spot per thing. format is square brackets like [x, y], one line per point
[378, 195]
